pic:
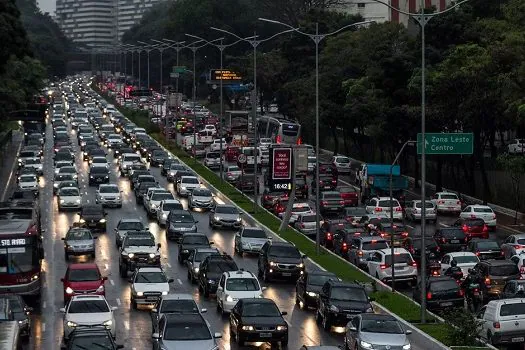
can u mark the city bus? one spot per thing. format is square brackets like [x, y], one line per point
[280, 130]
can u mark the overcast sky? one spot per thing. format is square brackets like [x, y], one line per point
[47, 6]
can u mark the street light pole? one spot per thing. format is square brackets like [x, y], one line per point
[317, 38]
[178, 47]
[148, 49]
[422, 19]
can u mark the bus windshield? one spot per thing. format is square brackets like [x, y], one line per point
[20, 258]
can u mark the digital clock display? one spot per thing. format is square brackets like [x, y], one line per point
[282, 186]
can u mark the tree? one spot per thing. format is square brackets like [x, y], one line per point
[515, 167]
[293, 11]
[12, 34]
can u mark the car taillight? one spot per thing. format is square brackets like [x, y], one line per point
[493, 216]
[461, 292]
[485, 229]
[429, 295]
[496, 325]
[399, 209]
[334, 181]
[378, 209]
[342, 202]
[360, 253]
[464, 228]
[384, 266]
[329, 236]
[522, 269]
[301, 225]
[404, 234]
[443, 240]
[345, 246]
[435, 273]
[324, 203]
[487, 281]
[266, 197]
[414, 264]
[477, 253]
[441, 202]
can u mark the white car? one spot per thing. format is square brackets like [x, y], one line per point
[300, 208]
[127, 160]
[235, 285]
[109, 195]
[165, 207]
[517, 146]
[520, 261]
[382, 205]
[250, 240]
[69, 170]
[342, 164]
[446, 202]
[501, 322]
[513, 245]
[187, 184]
[212, 160]
[28, 182]
[88, 310]
[211, 128]
[153, 203]
[148, 284]
[35, 163]
[232, 173]
[216, 145]
[114, 140]
[69, 198]
[61, 164]
[480, 212]
[465, 261]
[379, 265]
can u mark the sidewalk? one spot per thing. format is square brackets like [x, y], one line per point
[8, 164]
[505, 215]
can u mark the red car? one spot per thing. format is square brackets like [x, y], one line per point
[231, 153]
[83, 279]
[473, 228]
[349, 196]
[280, 205]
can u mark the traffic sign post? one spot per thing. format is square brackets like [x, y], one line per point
[446, 143]
[241, 158]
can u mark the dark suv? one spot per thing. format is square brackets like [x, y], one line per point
[98, 175]
[211, 270]
[339, 301]
[450, 239]
[178, 223]
[280, 259]
[443, 293]
[189, 242]
[93, 217]
[491, 275]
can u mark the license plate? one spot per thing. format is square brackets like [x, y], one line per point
[517, 340]
[454, 241]
[265, 335]
[399, 268]
[446, 304]
[99, 180]
[152, 299]
[326, 187]
[287, 274]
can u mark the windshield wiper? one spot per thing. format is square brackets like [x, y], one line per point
[146, 279]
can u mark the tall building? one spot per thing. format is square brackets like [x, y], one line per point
[372, 10]
[89, 22]
[130, 12]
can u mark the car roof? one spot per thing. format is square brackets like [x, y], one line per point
[520, 235]
[186, 234]
[440, 279]
[373, 316]
[205, 249]
[130, 220]
[177, 296]
[83, 266]
[454, 254]
[480, 206]
[88, 297]
[371, 238]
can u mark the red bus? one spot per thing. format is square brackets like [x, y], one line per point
[21, 249]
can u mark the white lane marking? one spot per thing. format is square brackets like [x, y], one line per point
[126, 325]
[118, 302]
[169, 265]
[106, 266]
[180, 282]
[87, 201]
[86, 192]
[43, 327]
[112, 282]
[44, 305]
[445, 225]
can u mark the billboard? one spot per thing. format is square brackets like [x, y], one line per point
[282, 163]
[227, 76]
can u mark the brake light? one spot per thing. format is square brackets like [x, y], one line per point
[378, 209]
[443, 240]
[345, 246]
[329, 236]
[414, 264]
[384, 266]
[487, 281]
[404, 234]
[477, 253]
[267, 197]
[522, 269]
[399, 209]
[324, 203]
[429, 295]
[301, 225]
[360, 253]
[435, 273]
[485, 229]
[229, 174]
[342, 202]
[334, 181]
[496, 325]
[441, 202]
[461, 292]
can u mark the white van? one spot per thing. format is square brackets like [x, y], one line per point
[187, 142]
[249, 152]
[503, 321]
[205, 136]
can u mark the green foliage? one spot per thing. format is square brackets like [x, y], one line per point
[12, 34]
[465, 327]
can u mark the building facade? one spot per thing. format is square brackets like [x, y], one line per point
[130, 12]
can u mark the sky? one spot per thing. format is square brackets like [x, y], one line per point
[47, 6]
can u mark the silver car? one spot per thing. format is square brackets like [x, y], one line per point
[232, 173]
[173, 303]
[79, 241]
[194, 261]
[305, 224]
[189, 331]
[250, 240]
[413, 210]
[225, 216]
[376, 331]
[126, 225]
[201, 198]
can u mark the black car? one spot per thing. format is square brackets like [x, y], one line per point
[343, 240]
[96, 152]
[64, 155]
[166, 165]
[93, 216]
[184, 329]
[178, 223]
[309, 286]
[413, 245]
[88, 148]
[326, 183]
[245, 184]
[486, 249]
[443, 292]
[91, 337]
[141, 190]
[98, 175]
[211, 270]
[330, 227]
[280, 260]
[157, 157]
[135, 176]
[340, 301]
[22, 197]
[120, 149]
[147, 177]
[89, 144]
[450, 239]
[269, 198]
[20, 312]
[513, 289]
[301, 187]
[256, 320]
[154, 148]
[189, 242]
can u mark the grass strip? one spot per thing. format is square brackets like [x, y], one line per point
[394, 302]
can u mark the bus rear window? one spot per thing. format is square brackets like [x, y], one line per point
[290, 129]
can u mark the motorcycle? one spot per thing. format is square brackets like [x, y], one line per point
[433, 268]
[456, 274]
[474, 297]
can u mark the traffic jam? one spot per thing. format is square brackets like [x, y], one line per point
[125, 207]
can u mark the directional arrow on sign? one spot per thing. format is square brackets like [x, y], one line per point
[426, 143]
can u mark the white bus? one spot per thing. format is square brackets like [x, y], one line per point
[280, 130]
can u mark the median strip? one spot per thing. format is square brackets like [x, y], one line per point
[394, 302]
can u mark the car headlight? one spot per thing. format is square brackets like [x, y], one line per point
[183, 188]
[140, 294]
[185, 251]
[407, 347]
[102, 221]
[229, 299]
[216, 218]
[23, 322]
[365, 345]
[272, 263]
[282, 328]
[108, 323]
[55, 185]
[164, 216]
[154, 206]
[301, 265]
[61, 201]
[90, 176]
[100, 289]
[369, 310]
[196, 269]
[82, 221]
[151, 255]
[239, 219]
[131, 255]
[35, 277]
[334, 308]
[78, 201]
[311, 294]
[248, 328]
[69, 290]
[164, 293]
[71, 324]
[211, 281]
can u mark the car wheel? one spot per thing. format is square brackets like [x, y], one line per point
[219, 307]
[240, 251]
[190, 277]
[66, 256]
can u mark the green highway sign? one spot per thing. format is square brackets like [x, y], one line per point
[446, 143]
[179, 69]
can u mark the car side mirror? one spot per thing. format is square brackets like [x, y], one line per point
[171, 280]
[154, 310]
[63, 238]
[284, 313]
[217, 335]
[304, 256]
[212, 210]
[159, 245]
[196, 221]
[63, 309]
[61, 280]
[95, 237]
[212, 242]
[155, 336]
[114, 308]
[408, 332]
[353, 329]
[470, 271]
[264, 288]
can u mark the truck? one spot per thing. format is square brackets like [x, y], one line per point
[374, 180]
[173, 100]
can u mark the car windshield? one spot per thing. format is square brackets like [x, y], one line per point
[307, 218]
[99, 160]
[193, 239]
[66, 192]
[301, 208]
[222, 266]
[132, 158]
[448, 196]
[179, 306]
[254, 233]
[190, 180]
[320, 280]
[201, 192]
[100, 341]
[99, 170]
[131, 225]
[79, 234]
[284, 252]
[234, 168]
[78, 275]
[109, 189]
[172, 206]
[381, 326]
[504, 270]
[183, 331]
[348, 293]
[442, 286]
[488, 245]
[482, 210]
[451, 233]
[87, 306]
[242, 284]
[185, 218]
[374, 245]
[260, 310]
[513, 309]
[161, 196]
[399, 259]
[136, 241]
[428, 205]
[28, 178]
[226, 210]
[466, 259]
[213, 155]
[342, 160]
[151, 277]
